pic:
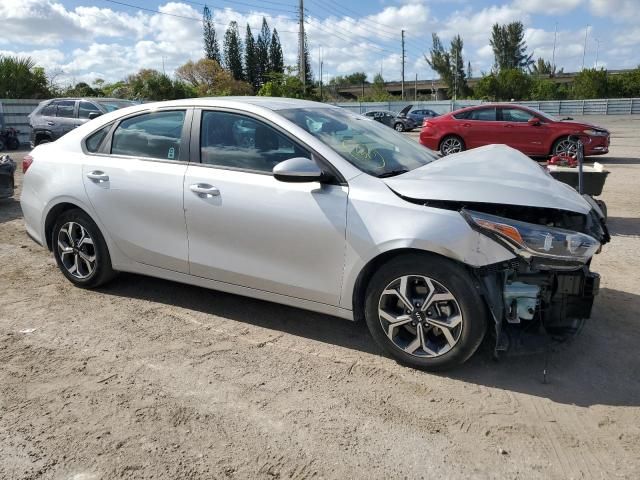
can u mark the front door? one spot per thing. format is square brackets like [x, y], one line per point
[135, 186]
[519, 134]
[247, 228]
[479, 128]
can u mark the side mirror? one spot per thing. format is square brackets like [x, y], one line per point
[93, 115]
[534, 122]
[298, 170]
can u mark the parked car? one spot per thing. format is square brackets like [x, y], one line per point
[314, 206]
[53, 118]
[9, 139]
[531, 131]
[419, 114]
[398, 121]
[7, 181]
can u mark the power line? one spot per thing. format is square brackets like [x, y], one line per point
[185, 17]
[325, 29]
[235, 2]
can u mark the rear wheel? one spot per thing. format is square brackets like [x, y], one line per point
[80, 250]
[399, 127]
[425, 311]
[451, 144]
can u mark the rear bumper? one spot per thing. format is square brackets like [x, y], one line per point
[429, 140]
[6, 180]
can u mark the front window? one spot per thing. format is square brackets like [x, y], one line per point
[86, 108]
[544, 116]
[65, 108]
[236, 141]
[373, 148]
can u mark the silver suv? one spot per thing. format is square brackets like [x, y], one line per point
[53, 118]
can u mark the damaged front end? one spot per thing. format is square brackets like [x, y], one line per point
[548, 288]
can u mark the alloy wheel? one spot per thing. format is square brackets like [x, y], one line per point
[76, 250]
[566, 148]
[399, 127]
[420, 316]
[451, 145]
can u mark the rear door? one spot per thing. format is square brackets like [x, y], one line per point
[519, 134]
[478, 128]
[135, 181]
[65, 116]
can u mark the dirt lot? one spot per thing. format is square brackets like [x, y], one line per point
[151, 379]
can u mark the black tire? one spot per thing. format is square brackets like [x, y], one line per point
[444, 149]
[603, 207]
[453, 278]
[399, 127]
[13, 143]
[556, 150]
[102, 271]
[41, 140]
[1, 144]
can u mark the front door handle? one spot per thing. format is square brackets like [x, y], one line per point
[466, 124]
[98, 176]
[205, 190]
[51, 124]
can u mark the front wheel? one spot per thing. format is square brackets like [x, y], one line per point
[565, 147]
[80, 250]
[450, 145]
[399, 127]
[425, 311]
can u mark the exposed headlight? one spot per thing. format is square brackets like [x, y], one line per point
[595, 133]
[531, 240]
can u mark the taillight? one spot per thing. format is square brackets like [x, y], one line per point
[26, 163]
[427, 123]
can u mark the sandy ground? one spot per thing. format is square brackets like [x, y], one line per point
[151, 379]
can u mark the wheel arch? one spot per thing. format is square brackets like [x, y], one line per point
[365, 274]
[447, 135]
[556, 139]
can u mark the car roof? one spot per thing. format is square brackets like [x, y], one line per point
[98, 99]
[490, 105]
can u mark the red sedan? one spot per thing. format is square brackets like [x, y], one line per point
[526, 129]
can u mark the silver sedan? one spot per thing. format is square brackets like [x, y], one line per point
[313, 206]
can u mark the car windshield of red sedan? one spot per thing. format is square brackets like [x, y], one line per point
[372, 147]
[545, 116]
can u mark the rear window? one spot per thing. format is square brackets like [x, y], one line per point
[93, 141]
[112, 105]
[483, 114]
[151, 135]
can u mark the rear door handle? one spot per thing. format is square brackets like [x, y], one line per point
[98, 176]
[51, 124]
[466, 124]
[204, 190]
[508, 126]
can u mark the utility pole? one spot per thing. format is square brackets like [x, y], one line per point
[163, 65]
[455, 78]
[597, 50]
[415, 89]
[403, 58]
[321, 64]
[301, 62]
[553, 57]
[584, 50]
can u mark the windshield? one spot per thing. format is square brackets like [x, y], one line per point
[372, 147]
[544, 115]
[112, 105]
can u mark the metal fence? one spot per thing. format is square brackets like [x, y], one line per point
[14, 113]
[613, 106]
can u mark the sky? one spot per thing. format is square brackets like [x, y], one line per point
[82, 40]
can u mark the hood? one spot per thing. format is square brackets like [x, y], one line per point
[493, 174]
[404, 111]
[582, 125]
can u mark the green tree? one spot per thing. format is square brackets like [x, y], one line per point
[211, 47]
[629, 83]
[150, 84]
[308, 72]
[509, 47]
[207, 78]
[262, 52]
[356, 78]
[82, 89]
[250, 60]
[233, 51]
[285, 84]
[542, 67]
[276, 58]
[21, 78]
[449, 65]
[378, 90]
[545, 89]
[507, 84]
[591, 83]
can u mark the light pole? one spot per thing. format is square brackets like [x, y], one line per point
[597, 51]
[584, 50]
